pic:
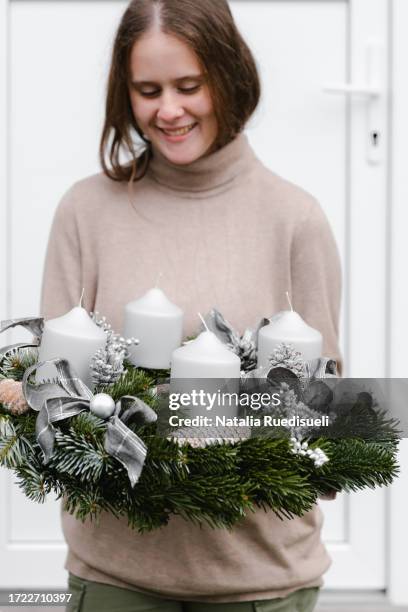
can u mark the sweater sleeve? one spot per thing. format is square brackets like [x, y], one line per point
[316, 278]
[62, 278]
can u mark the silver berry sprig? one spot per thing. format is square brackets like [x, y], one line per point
[107, 364]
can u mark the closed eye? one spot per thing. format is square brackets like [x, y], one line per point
[186, 85]
[150, 94]
[189, 90]
[154, 93]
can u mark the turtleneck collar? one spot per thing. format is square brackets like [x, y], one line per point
[207, 176]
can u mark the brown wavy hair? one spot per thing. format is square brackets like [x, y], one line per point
[208, 27]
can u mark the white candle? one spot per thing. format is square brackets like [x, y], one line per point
[74, 337]
[205, 357]
[289, 327]
[158, 325]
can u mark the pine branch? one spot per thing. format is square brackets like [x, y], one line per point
[35, 483]
[13, 446]
[356, 464]
[87, 503]
[16, 362]
[136, 382]
[276, 477]
[217, 485]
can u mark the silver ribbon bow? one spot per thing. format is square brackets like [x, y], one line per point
[68, 396]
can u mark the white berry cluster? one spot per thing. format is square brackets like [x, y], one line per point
[318, 456]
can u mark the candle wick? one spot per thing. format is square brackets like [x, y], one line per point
[203, 321]
[82, 297]
[159, 276]
[290, 303]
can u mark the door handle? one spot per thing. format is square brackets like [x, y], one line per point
[350, 88]
[373, 93]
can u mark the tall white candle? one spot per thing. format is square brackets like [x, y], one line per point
[289, 327]
[158, 325]
[205, 357]
[74, 337]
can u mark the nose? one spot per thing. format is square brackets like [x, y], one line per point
[169, 108]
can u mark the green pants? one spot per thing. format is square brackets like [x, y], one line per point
[95, 597]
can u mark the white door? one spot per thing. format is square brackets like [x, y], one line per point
[54, 80]
[325, 142]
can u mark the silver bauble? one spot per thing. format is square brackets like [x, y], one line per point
[102, 405]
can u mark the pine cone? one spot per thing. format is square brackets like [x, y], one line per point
[107, 364]
[285, 356]
[106, 367]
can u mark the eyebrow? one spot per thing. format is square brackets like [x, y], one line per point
[190, 77]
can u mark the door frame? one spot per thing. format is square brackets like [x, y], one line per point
[4, 166]
[398, 291]
[392, 328]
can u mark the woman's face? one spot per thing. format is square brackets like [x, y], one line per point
[170, 98]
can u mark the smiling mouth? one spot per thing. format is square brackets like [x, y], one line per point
[178, 131]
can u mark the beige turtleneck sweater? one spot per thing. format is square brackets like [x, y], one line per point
[224, 232]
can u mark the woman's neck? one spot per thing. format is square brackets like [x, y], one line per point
[207, 175]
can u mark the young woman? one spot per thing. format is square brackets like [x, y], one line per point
[197, 205]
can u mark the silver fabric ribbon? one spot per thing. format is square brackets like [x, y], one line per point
[34, 325]
[221, 328]
[323, 367]
[244, 346]
[68, 396]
